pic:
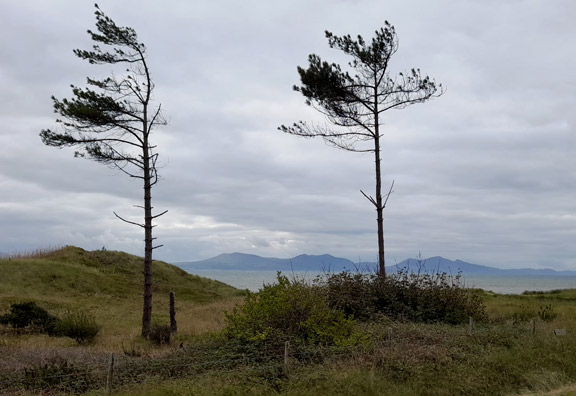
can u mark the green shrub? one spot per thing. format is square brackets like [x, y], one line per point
[416, 297]
[81, 327]
[30, 315]
[437, 298]
[160, 334]
[289, 310]
[351, 293]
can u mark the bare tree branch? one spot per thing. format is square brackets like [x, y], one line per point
[128, 221]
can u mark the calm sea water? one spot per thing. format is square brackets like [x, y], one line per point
[253, 280]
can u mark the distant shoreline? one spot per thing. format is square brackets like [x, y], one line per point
[502, 284]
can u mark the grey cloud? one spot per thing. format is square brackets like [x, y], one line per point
[485, 173]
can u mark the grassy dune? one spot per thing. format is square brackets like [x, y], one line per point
[108, 285]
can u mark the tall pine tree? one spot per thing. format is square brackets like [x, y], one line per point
[111, 121]
[354, 103]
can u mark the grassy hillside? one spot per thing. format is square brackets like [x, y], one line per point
[105, 284]
[74, 272]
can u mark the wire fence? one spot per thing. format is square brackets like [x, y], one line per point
[124, 370]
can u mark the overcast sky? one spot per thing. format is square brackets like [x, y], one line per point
[486, 173]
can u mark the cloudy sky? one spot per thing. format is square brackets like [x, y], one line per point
[486, 173]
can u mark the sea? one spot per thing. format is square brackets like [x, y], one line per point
[508, 284]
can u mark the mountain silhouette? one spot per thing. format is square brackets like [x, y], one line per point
[329, 263]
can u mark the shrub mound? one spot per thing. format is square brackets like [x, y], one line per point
[289, 310]
[29, 315]
[416, 297]
[81, 327]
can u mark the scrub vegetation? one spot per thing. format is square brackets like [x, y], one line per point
[342, 334]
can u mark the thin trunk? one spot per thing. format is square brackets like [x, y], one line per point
[379, 209]
[379, 204]
[147, 306]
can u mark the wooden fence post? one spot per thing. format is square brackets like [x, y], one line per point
[173, 325]
[110, 376]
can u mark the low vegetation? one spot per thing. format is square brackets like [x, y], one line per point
[289, 311]
[27, 316]
[428, 298]
[347, 334]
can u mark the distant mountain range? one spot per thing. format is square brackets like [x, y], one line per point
[251, 262]
[328, 263]
[440, 264]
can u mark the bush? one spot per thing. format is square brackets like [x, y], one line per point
[289, 310]
[160, 334]
[79, 326]
[351, 293]
[30, 315]
[416, 297]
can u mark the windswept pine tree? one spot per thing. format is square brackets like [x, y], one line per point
[354, 101]
[111, 122]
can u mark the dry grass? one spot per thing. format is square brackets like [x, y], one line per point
[208, 318]
[121, 330]
[31, 254]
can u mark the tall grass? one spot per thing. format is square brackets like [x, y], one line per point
[31, 254]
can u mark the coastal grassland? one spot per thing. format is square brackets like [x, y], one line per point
[513, 351]
[108, 286]
[421, 359]
[557, 304]
[508, 354]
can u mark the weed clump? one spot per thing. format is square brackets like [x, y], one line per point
[523, 313]
[81, 327]
[160, 334]
[547, 314]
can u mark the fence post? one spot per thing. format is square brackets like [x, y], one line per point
[471, 325]
[389, 337]
[173, 325]
[286, 353]
[110, 376]
[533, 326]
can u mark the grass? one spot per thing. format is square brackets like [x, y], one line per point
[504, 355]
[108, 285]
[422, 360]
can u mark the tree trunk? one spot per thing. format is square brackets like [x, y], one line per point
[379, 204]
[147, 305]
[379, 208]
